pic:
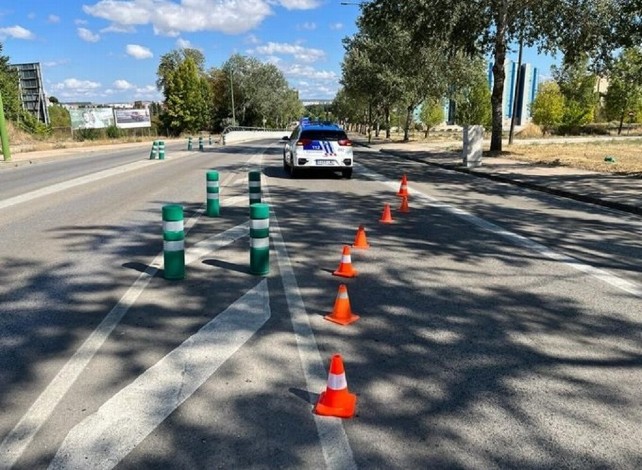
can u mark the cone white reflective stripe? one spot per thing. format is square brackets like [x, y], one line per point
[255, 184]
[343, 294]
[259, 223]
[346, 259]
[337, 382]
[172, 226]
[212, 184]
[260, 242]
[178, 245]
[212, 195]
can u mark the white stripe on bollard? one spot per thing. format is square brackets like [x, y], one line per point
[260, 242]
[256, 224]
[172, 226]
[212, 195]
[178, 245]
[255, 184]
[212, 184]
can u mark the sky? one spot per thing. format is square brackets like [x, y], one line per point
[108, 51]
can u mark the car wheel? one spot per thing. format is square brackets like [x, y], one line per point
[347, 173]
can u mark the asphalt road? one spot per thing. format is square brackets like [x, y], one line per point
[499, 326]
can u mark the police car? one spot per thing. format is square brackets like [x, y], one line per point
[317, 145]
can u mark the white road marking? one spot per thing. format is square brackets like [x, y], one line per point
[54, 188]
[103, 439]
[15, 443]
[332, 436]
[601, 274]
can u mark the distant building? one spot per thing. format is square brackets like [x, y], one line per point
[32, 93]
[526, 82]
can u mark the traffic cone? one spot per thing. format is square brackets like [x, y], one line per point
[336, 400]
[386, 217]
[360, 239]
[342, 314]
[404, 205]
[403, 187]
[345, 267]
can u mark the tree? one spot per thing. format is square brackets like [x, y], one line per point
[432, 114]
[577, 85]
[9, 89]
[624, 94]
[186, 90]
[59, 116]
[471, 95]
[548, 106]
[489, 27]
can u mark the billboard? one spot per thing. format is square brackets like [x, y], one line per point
[128, 118]
[91, 118]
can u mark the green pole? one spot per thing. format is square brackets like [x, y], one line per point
[189, 143]
[4, 135]
[161, 150]
[200, 143]
[259, 239]
[213, 204]
[173, 242]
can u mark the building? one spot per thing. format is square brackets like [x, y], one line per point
[31, 89]
[526, 82]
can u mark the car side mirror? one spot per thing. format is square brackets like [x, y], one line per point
[285, 137]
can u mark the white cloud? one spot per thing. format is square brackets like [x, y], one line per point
[300, 53]
[55, 63]
[307, 71]
[53, 19]
[77, 86]
[118, 28]
[336, 26]
[138, 52]
[80, 22]
[170, 19]
[252, 39]
[86, 35]
[123, 85]
[300, 4]
[183, 43]
[307, 26]
[16, 32]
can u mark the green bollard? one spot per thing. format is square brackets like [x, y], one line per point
[161, 150]
[210, 139]
[152, 154]
[259, 239]
[213, 203]
[200, 143]
[254, 182]
[189, 143]
[173, 242]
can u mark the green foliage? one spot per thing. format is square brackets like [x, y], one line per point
[59, 116]
[186, 90]
[432, 113]
[29, 123]
[472, 96]
[114, 132]
[9, 89]
[623, 99]
[577, 85]
[547, 108]
[87, 134]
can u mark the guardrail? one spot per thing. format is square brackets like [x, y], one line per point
[240, 133]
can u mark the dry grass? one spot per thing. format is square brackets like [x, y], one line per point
[626, 155]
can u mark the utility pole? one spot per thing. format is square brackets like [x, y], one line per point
[4, 135]
[232, 93]
[515, 96]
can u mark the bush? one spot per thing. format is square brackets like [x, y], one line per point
[87, 134]
[114, 132]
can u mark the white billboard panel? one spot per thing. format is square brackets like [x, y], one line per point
[91, 118]
[128, 118]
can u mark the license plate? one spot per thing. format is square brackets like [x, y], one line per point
[326, 162]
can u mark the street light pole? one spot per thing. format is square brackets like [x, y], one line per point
[232, 94]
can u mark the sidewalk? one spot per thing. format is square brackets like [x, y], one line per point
[617, 192]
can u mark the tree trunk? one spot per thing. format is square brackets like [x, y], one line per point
[387, 117]
[619, 129]
[499, 76]
[406, 127]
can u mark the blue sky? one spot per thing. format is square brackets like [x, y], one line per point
[108, 51]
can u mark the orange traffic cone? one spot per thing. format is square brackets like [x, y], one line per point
[403, 187]
[336, 400]
[360, 239]
[345, 267]
[342, 314]
[404, 205]
[386, 217]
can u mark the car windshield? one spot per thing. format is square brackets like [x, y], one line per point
[323, 135]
